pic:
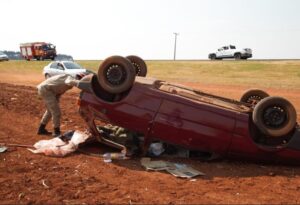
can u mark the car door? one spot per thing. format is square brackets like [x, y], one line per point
[219, 53]
[226, 52]
[193, 127]
[56, 69]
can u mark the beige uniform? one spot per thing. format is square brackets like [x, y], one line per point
[51, 89]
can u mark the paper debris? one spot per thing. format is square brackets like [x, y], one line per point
[176, 169]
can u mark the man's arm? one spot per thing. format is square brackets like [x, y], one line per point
[71, 81]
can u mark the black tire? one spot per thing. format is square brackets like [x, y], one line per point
[139, 65]
[274, 116]
[237, 56]
[253, 96]
[116, 74]
[47, 76]
[213, 56]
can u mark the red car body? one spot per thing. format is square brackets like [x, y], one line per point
[188, 118]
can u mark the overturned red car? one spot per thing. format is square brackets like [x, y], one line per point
[259, 127]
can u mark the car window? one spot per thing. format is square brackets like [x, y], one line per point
[46, 47]
[60, 66]
[1, 53]
[53, 65]
[232, 47]
[225, 47]
[72, 65]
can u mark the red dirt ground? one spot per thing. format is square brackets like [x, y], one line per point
[83, 179]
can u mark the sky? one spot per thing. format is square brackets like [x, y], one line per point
[96, 29]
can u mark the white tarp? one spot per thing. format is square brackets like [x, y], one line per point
[58, 148]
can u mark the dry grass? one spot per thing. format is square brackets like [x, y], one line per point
[275, 74]
[263, 74]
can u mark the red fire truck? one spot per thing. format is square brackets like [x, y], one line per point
[38, 51]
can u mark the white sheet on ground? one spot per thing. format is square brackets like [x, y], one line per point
[57, 148]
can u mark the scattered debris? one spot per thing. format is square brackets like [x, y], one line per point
[176, 169]
[157, 165]
[15, 145]
[109, 156]
[44, 184]
[184, 171]
[121, 136]
[3, 149]
[156, 149]
[21, 196]
[272, 174]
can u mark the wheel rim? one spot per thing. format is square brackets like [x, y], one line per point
[253, 100]
[274, 117]
[115, 74]
[137, 68]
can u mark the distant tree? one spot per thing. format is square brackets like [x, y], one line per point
[65, 57]
[13, 55]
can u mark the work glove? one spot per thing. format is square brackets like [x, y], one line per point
[71, 81]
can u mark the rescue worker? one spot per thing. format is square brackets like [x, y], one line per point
[50, 90]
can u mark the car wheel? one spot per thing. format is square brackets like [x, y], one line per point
[116, 74]
[274, 116]
[47, 76]
[253, 96]
[237, 56]
[139, 65]
[213, 56]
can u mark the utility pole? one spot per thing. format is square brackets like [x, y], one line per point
[176, 34]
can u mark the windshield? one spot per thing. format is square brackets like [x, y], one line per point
[48, 47]
[72, 65]
[1, 53]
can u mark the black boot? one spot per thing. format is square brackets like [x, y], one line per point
[56, 132]
[42, 130]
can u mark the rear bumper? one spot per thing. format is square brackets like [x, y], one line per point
[246, 55]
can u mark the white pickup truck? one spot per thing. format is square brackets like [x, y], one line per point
[231, 52]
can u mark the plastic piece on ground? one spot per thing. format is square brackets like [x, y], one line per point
[107, 157]
[156, 149]
[3, 149]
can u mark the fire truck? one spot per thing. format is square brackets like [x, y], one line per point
[38, 51]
